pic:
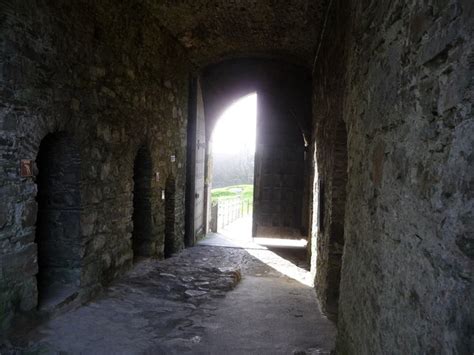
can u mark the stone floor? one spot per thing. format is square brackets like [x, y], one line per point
[209, 299]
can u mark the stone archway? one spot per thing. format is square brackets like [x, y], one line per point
[142, 219]
[58, 228]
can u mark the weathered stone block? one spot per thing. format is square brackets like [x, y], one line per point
[20, 264]
[30, 211]
[6, 214]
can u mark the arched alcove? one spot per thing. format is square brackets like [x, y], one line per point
[170, 218]
[58, 230]
[142, 220]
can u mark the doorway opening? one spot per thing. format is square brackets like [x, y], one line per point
[170, 218]
[142, 221]
[232, 172]
[58, 228]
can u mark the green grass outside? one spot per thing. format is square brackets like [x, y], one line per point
[227, 193]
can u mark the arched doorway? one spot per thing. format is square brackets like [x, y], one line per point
[58, 229]
[142, 221]
[170, 218]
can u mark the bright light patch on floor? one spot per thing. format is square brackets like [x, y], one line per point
[239, 235]
[283, 266]
[235, 130]
[278, 242]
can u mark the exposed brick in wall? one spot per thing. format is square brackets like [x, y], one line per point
[106, 75]
[406, 281]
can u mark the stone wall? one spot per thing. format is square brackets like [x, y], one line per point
[330, 160]
[406, 280]
[108, 76]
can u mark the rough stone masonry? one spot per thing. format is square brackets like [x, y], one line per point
[402, 82]
[110, 79]
[389, 149]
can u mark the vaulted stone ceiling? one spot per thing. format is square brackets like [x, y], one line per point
[217, 29]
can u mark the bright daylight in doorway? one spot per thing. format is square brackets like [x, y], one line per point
[233, 151]
[236, 128]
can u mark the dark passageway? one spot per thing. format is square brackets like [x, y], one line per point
[363, 159]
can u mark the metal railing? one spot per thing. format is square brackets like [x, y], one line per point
[226, 211]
